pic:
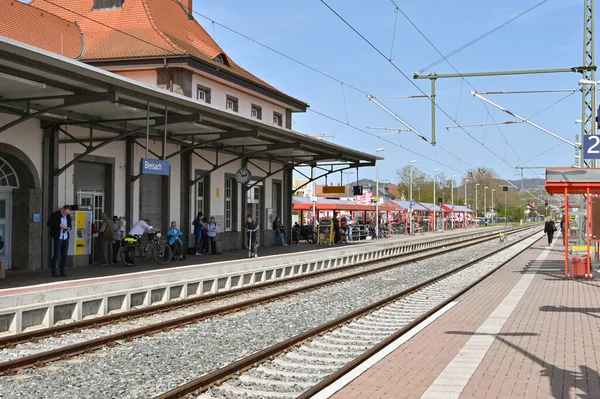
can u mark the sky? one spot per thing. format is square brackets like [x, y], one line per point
[550, 36]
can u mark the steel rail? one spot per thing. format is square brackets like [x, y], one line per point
[10, 341]
[68, 351]
[203, 383]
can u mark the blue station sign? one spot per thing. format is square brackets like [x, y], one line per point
[591, 147]
[155, 167]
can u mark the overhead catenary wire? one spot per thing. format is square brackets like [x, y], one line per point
[481, 37]
[464, 79]
[406, 76]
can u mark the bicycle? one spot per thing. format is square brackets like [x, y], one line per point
[134, 250]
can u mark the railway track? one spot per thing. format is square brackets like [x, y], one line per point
[308, 362]
[41, 347]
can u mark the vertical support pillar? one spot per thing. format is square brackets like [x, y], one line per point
[129, 154]
[566, 233]
[244, 202]
[433, 112]
[588, 221]
[185, 213]
[49, 183]
[287, 191]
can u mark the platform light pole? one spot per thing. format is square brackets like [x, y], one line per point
[485, 202]
[377, 194]
[505, 189]
[493, 218]
[434, 199]
[465, 214]
[476, 206]
[410, 195]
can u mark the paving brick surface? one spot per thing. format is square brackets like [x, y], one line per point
[547, 348]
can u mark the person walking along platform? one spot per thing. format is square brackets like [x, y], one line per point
[60, 228]
[549, 229]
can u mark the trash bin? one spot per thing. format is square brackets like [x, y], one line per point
[579, 266]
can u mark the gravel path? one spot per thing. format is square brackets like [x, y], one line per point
[152, 365]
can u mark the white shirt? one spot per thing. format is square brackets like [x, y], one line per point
[64, 234]
[139, 228]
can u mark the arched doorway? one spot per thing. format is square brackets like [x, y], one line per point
[20, 210]
[8, 182]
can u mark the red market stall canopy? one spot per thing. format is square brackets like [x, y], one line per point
[405, 205]
[323, 204]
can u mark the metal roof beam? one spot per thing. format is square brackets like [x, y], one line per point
[67, 101]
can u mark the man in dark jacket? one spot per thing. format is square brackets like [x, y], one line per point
[60, 227]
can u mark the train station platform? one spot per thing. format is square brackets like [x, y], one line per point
[524, 332]
[34, 300]
[17, 278]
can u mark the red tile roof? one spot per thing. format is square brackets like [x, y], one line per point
[142, 28]
[39, 28]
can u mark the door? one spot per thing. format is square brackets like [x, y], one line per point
[151, 196]
[5, 228]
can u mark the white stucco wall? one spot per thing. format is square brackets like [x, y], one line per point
[66, 181]
[219, 94]
[26, 136]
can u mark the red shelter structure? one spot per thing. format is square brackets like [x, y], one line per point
[573, 181]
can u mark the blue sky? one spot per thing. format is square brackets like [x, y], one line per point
[548, 37]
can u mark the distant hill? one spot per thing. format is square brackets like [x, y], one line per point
[528, 184]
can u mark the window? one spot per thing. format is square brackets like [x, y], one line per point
[221, 59]
[277, 119]
[256, 112]
[107, 4]
[232, 103]
[200, 197]
[8, 177]
[229, 204]
[203, 94]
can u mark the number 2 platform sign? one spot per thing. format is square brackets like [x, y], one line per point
[591, 147]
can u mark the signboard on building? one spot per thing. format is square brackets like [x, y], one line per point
[334, 190]
[154, 167]
[364, 199]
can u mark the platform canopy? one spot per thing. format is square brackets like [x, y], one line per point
[462, 208]
[406, 205]
[37, 84]
[432, 207]
[573, 180]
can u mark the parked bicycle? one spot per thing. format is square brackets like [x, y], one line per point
[135, 250]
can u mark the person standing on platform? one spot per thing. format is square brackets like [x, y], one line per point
[107, 236]
[562, 228]
[278, 227]
[336, 228]
[60, 228]
[205, 239]
[118, 238]
[549, 229]
[251, 232]
[211, 232]
[198, 228]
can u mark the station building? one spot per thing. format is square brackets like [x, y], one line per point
[89, 88]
